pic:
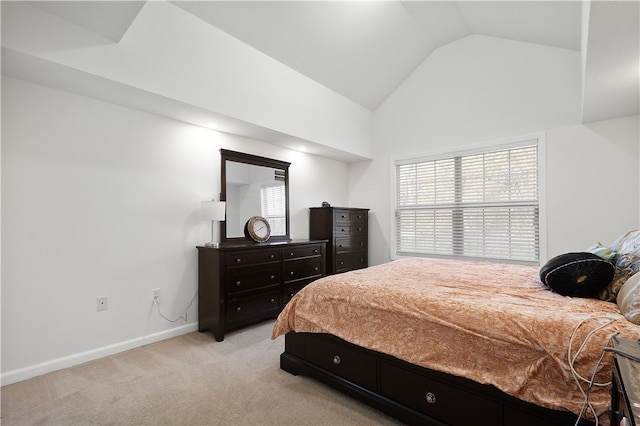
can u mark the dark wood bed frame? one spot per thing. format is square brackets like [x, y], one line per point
[412, 394]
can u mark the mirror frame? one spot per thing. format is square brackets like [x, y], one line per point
[240, 157]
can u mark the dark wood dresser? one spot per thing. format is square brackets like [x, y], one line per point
[347, 233]
[243, 283]
[625, 389]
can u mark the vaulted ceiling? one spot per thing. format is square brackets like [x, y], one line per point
[364, 50]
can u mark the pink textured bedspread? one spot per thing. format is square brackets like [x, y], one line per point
[493, 323]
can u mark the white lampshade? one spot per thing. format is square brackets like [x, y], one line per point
[212, 210]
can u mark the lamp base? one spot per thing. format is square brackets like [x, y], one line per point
[212, 244]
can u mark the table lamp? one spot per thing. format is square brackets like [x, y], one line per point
[215, 212]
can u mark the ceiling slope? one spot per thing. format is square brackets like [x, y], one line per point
[612, 67]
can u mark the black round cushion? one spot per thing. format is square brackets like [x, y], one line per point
[579, 274]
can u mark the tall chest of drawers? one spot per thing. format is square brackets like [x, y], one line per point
[240, 284]
[347, 232]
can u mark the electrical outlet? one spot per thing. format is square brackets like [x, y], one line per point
[156, 295]
[102, 304]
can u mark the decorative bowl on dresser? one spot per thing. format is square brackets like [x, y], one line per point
[347, 232]
[243, 283]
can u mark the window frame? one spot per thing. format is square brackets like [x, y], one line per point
[484, 147]
[283, 216]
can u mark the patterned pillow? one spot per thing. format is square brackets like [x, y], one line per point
[579, 274]
[628, 243]
[626, 266]
[604, 252]
[629, 299]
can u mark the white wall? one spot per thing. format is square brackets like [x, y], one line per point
[592, 183]
[101, 200]
[171, 53]
[481, 89]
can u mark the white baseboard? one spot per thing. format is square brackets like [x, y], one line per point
[25, 373]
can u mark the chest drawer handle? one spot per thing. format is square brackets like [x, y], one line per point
[337, 360]
[359, 229]
[291, 273]
[238, 309]
[291, 254]
[342, 230]
[273, 300]
[316, 269]
[272, 277]
[238, 260]
[430, 397]
[238, 283]
[342, 262]
[272, 256]
[315, 251]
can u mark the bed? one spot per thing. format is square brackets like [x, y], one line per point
[436, 341]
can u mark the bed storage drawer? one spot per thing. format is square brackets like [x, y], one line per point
[350, 363]
[435, 398]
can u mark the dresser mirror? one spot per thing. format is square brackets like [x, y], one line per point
[254, 186]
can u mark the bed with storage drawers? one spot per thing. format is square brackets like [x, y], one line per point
[434, 341]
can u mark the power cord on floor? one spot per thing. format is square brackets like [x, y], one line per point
[156, 301]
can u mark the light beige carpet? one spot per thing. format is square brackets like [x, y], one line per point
[187, 380]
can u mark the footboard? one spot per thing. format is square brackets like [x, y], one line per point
[412, 394]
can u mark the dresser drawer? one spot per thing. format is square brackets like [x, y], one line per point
[342, 215]
[302, 269]
[352, 364]
[355, 229]
[251, 257]
[435, 398]
[291, 291]
[301, 251]
[350, 244]
[244, 279]
[243, 308]
[350, 260]
[351, 216]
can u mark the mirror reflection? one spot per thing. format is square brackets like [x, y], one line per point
[255, 191]
[254, 186]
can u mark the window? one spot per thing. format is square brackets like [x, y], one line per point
[471, 205]
[273, 208]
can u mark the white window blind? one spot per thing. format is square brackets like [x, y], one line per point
[273, 205]
[480, 205]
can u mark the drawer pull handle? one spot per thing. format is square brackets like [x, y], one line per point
[291, 254]
[337, 360]
[272, 277]
[238, 283]
[291, 273]
[342, 230]
[340, 245]
[238, 309]
[359, 229]
[342, 262]
[430, 397]
[272, 256]
[273, 300]
[315, 251]
[292, 294]
[316, 268]
[238, 260]
[361, 243]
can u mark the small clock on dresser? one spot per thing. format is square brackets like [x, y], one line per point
[257, 229]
